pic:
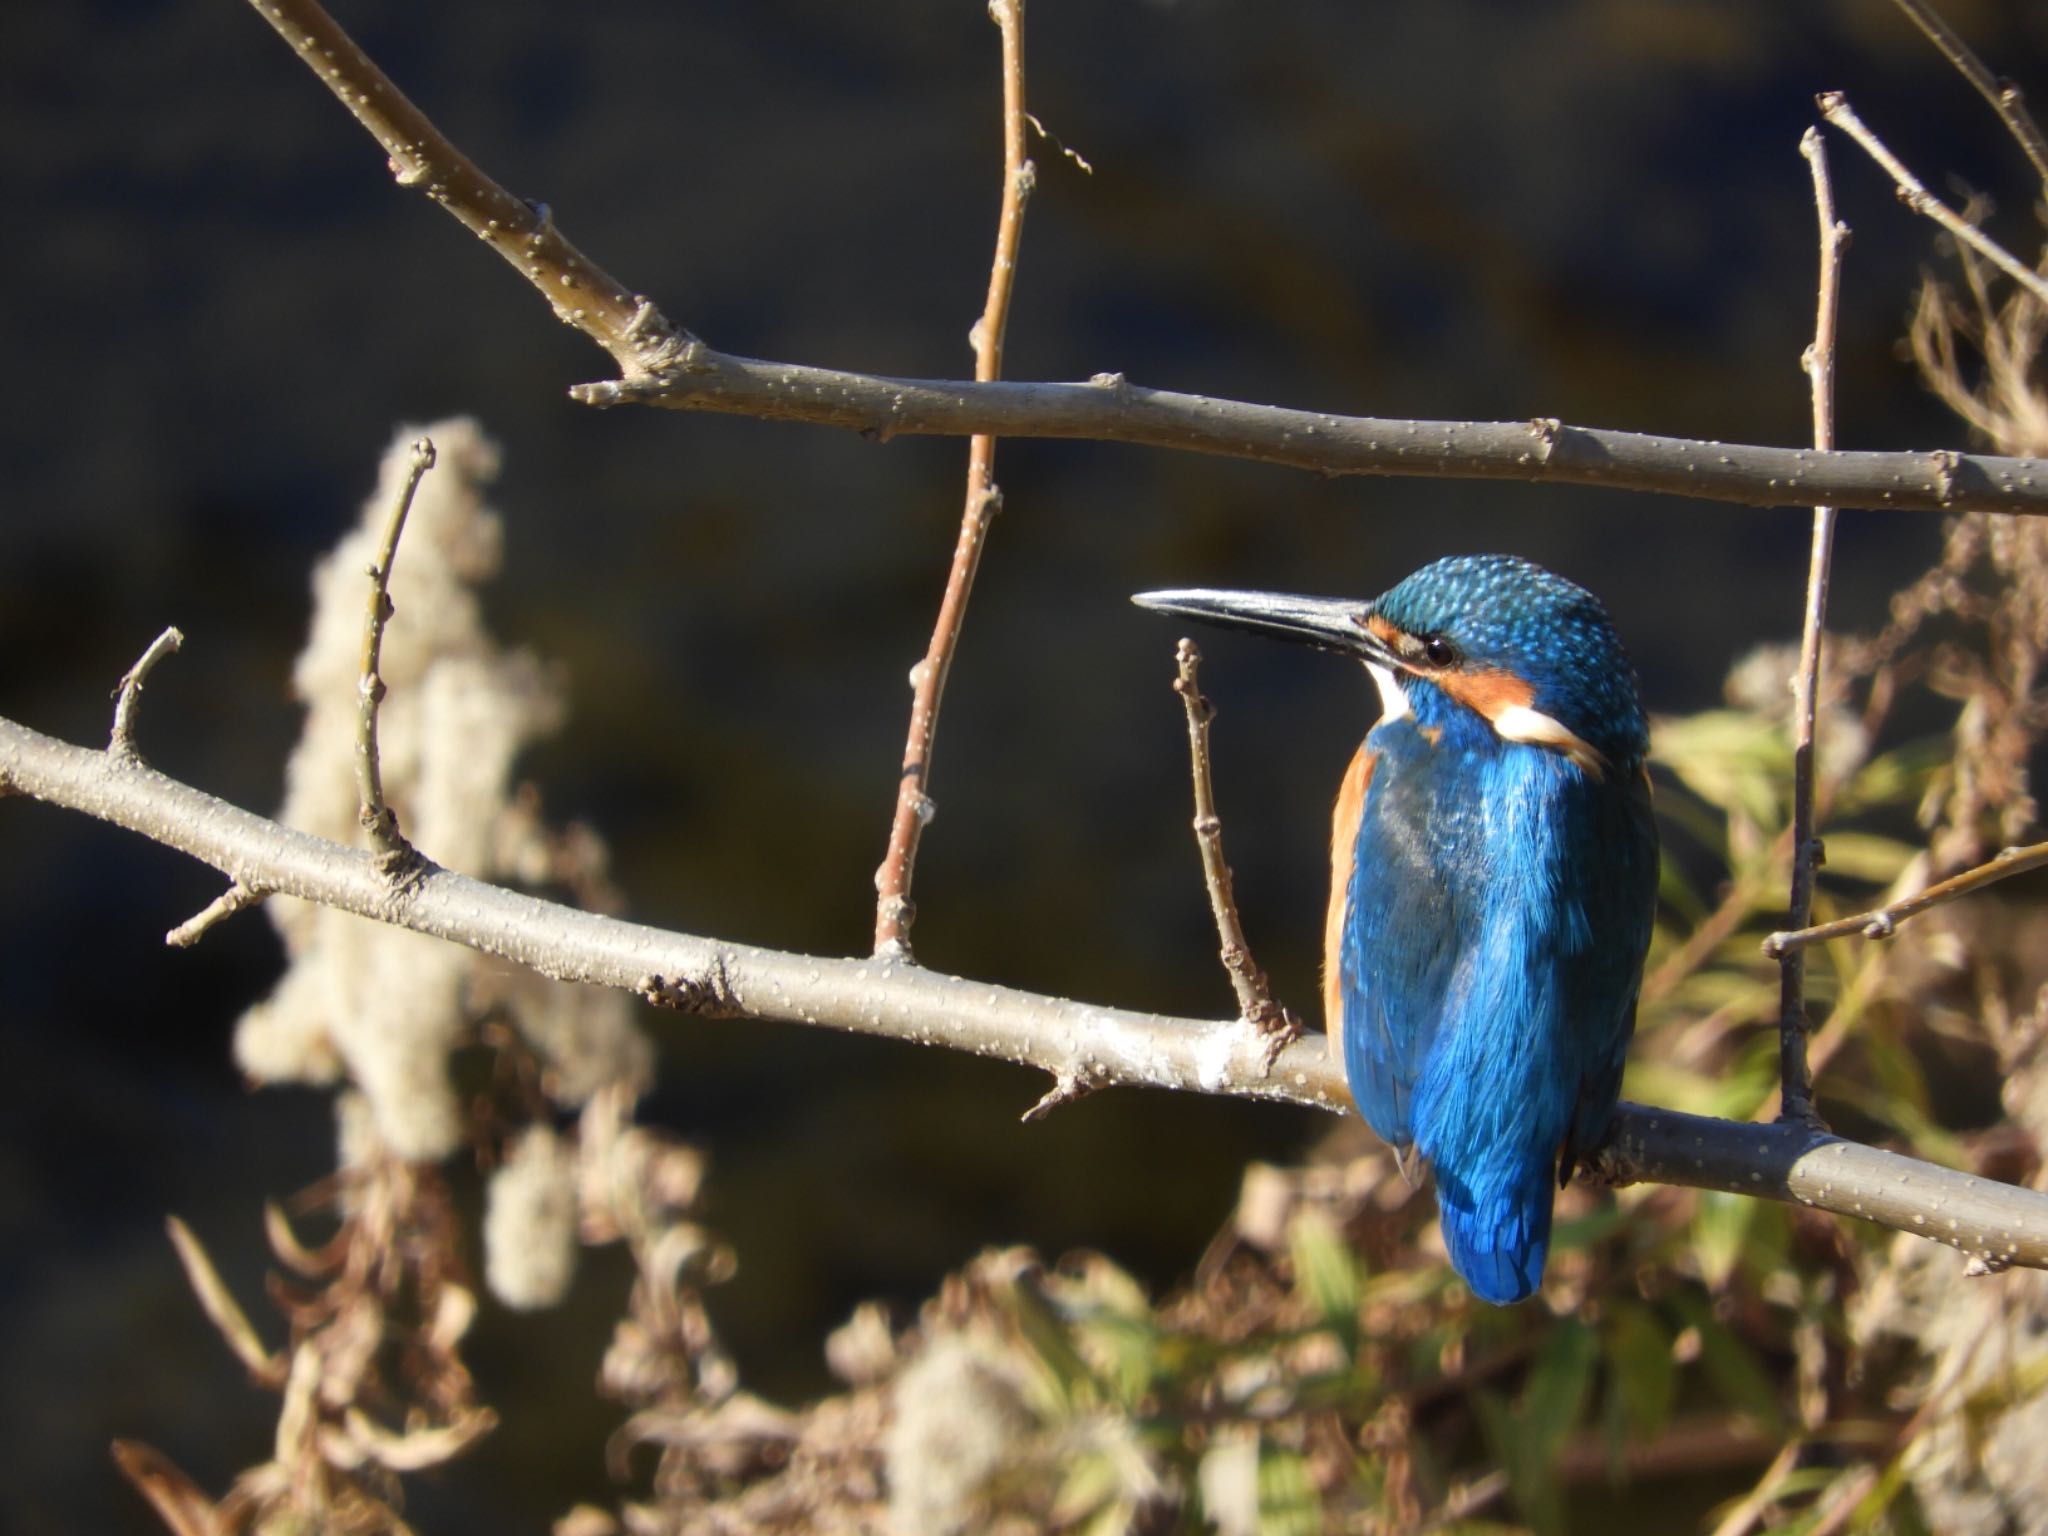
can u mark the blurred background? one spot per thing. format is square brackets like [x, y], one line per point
[218, 308]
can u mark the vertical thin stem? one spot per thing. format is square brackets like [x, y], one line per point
[1796, 1087]
[377, 817]
[894, 910]
[1255, 1001]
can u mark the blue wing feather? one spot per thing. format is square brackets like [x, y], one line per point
[1497, 908]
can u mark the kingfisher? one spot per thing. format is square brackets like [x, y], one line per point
[1493, 879]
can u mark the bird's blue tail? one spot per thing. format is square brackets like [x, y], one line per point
[1498, 1236]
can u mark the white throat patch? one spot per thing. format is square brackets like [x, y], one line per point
[1393, 697]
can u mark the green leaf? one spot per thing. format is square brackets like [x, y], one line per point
[1867, 856]
[1642, 1379]
[1527, 1438]
[1733, 760]
[1732, 1366]
[1288, 1504]
[1326, 1271]
[1718, 1231]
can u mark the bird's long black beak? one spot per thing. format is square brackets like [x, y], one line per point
[1328, 623]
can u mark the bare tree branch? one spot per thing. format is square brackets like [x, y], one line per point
[1110, 409]
[1883, 922]
[894, 910]
[1997, 1224]
[1834, 106]
[663, 365]
[2004, 96]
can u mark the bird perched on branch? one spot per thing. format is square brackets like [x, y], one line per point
[1493, 880]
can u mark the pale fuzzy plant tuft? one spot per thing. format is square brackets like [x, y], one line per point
[961, 1421]
[385, 1007]
[530, 1222]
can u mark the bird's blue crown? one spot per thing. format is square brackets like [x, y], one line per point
[1503, 613]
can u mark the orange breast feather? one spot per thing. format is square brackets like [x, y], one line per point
[1343, 850]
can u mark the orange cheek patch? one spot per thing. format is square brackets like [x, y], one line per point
[1343, 852]
[1382, 630]
[1486, 692]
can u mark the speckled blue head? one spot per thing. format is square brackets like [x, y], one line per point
[1532, 653]
[1503, 614]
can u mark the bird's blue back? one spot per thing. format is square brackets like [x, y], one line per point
[1487, 946]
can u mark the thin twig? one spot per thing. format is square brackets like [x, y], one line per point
[1750, 1510]
[1795, 1083]
[1834, 106]
[378, 819]
[1997, 1223]
[2005, 97]
[665, 366]
[894, 910]
[128, 694]
[582, 293]
[236, 898]
[1883, 922]
[1278, 1026]
[1067, 1087]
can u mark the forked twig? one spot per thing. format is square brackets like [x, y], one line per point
[2005, 97]
[1796, 1087]
[1883, 922]
[1834, 106]
[128, 693]
[1255, 1001]
[894, 910]
[378, 819]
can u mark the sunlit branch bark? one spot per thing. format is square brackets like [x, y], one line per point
[1996, 1224]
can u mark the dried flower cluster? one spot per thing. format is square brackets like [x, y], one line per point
[383, 1007]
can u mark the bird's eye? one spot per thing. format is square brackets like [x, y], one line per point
[1441, 652]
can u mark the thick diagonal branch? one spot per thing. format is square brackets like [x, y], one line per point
[1997, 1224]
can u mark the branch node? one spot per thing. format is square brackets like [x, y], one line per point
[1115, 383]
[1546, 430]
[128, 692]
[1947, 466]
[1983, 1264]
[1068, 1085]
[238, 897]
[709, 996]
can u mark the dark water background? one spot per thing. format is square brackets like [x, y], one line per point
[216, 306]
